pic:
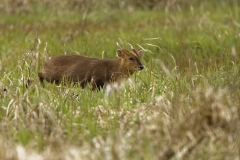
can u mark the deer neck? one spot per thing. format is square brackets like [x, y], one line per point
[123, 69]
[119, 71]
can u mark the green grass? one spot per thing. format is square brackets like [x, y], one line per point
[183, 105]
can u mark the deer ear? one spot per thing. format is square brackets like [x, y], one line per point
[120, 53]
[140, 53]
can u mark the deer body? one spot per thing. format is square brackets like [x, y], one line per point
[97, 72]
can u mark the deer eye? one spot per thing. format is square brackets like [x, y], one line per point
[131, 59]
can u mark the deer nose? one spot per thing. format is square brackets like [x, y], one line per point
[141, 67]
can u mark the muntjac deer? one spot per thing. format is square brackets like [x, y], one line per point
[97, 72]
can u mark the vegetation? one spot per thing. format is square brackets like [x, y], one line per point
[184, 105]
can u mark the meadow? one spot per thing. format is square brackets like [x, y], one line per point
[185, 104]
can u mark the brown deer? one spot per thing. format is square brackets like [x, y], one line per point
[97, 72]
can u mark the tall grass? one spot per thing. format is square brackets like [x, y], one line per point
[184, 105]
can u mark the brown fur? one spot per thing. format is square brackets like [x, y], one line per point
[97, 72]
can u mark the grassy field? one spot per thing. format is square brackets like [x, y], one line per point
[185, 104]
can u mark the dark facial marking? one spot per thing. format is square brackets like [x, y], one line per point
[136, 58]
[131, 59]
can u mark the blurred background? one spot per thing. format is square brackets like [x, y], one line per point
[35, 6]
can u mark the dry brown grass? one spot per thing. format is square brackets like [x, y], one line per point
[201, 125]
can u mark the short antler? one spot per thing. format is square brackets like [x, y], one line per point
[133, 49]
[118, 45]
[130, 46]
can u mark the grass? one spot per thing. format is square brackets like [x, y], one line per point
[184, 105]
